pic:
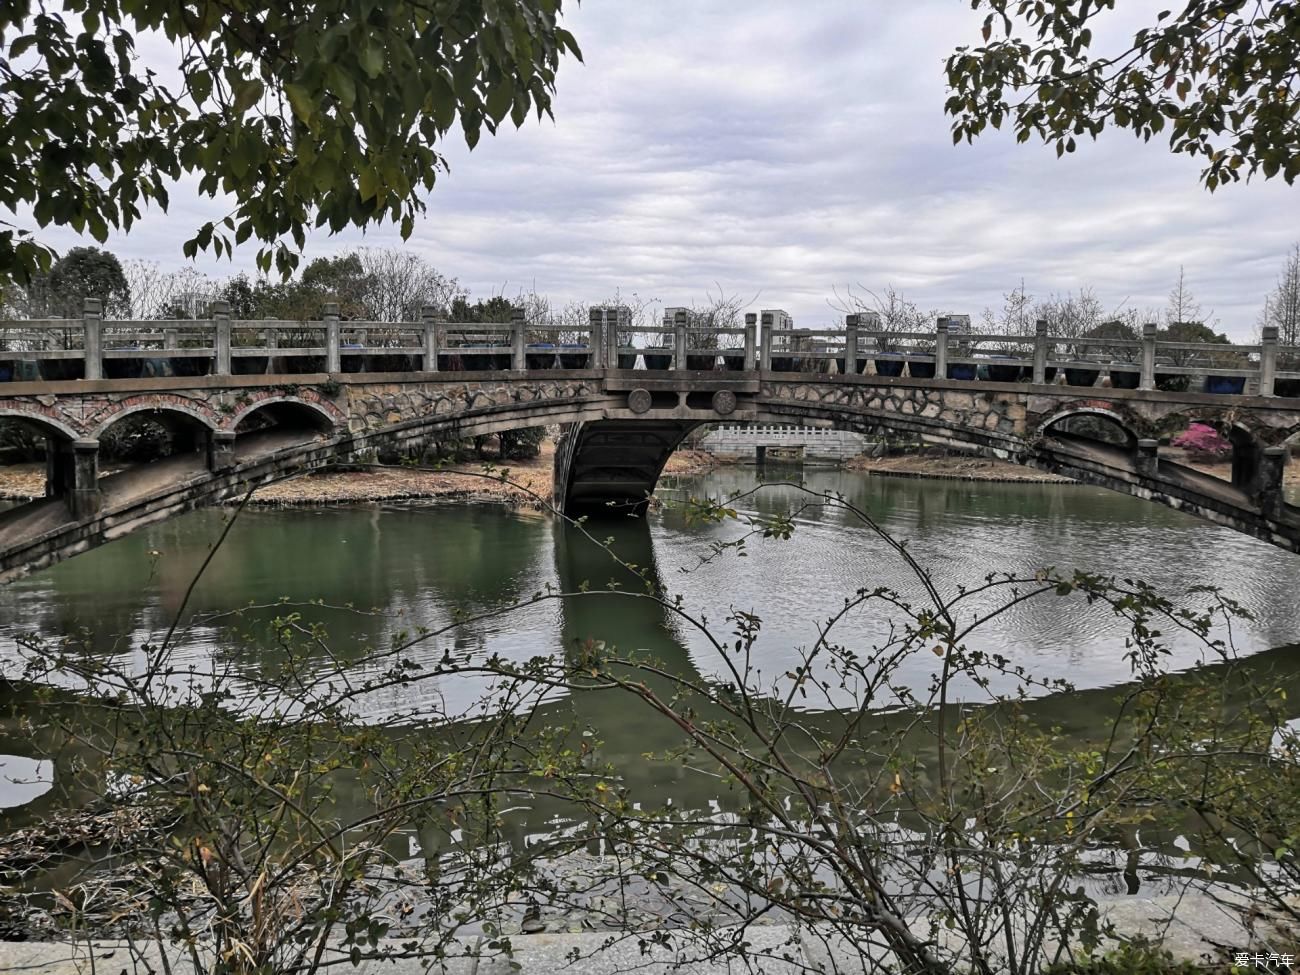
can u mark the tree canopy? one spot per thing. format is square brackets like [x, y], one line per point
[81, 273]
[305, 114]
[1223, 76]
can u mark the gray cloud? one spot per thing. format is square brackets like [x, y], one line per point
[790, 149]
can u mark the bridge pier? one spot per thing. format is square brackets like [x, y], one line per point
[1148, 460]
[221, 450]
[72, 473]
[1268, 490]
[82, 472]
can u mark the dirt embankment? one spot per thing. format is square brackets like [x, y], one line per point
[518, 482]
[952, 468]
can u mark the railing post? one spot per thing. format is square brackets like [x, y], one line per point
[221, 340]
[1148, 378]
[330, 312]
[170, 339]
[1040, 352]
[272, 345]
[92, 323]
[596, 337]
[941, 349]
[518, 325]
[851, 345]
[429, 322]
[765, 341]
[622, 319]
[1267, 359]
[751, 341]
[679, 340]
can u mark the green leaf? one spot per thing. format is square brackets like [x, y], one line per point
[368, 184]
[371, 59]
[344, 87]
[300, 101]
[247, 94]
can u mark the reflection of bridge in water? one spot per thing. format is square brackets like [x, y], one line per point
[626, 728]
[626, 407]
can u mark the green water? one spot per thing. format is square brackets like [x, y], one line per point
[413, 564]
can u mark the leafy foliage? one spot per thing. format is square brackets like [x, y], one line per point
[1221, 75]
[306, 114]
[81, 273]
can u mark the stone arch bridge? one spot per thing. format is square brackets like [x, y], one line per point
[621, 426]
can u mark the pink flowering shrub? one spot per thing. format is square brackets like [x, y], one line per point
[1203, 443]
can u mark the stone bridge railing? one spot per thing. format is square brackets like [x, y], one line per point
[92, 348]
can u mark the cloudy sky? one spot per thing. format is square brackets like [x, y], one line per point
[782, 151]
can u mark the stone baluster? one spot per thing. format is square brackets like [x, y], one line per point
[330, 313]
[1148, 378]
[221, 338]
[432, 336]
[596, 337]
[1040, 352]
[1267, 359]
[941, 349]
[851, 323]
[751, 341]
[679, 340]
[518, 339]
[765, 341]
[92, 324]
[272, 343]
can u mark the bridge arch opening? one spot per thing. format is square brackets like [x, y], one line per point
[284, 416]
[1098, 426]
[1214, 446]
[36, 450]
[149, 433]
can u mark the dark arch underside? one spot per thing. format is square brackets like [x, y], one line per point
[611, 466]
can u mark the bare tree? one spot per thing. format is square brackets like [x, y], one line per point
[398, 283]
[1282, 307]
[888, 310]
[155, 293]
[1183, 308]
[1070, 315]
[1015, 318]
[718, 310]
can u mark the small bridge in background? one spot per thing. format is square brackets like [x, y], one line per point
[253, 401]
[759, 442]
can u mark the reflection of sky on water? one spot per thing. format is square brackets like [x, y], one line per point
[962, 531]
[400, 567]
